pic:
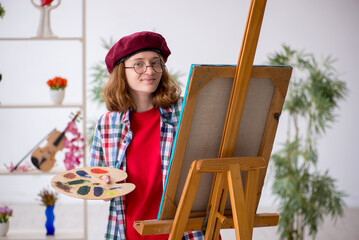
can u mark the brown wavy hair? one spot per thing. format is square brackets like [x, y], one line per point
[117, 97]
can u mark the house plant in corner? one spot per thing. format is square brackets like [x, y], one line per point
[305, 194]
[57, 89]
[2, 11]
[48, 199]
[5, 213]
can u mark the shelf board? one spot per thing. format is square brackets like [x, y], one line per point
[67, 105]
[41, 39]
[72, 234]
[32, 171]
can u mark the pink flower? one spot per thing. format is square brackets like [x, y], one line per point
[21, 168]
[5, 213]
[74, 146]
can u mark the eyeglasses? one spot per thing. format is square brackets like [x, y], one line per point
[140, 67]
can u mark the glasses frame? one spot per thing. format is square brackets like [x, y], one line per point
[163, 66]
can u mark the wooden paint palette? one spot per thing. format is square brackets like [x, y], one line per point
[85, 183]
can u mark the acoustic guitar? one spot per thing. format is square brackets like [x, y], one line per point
[43, 158]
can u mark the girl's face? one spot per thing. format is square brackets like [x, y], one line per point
[147, 82]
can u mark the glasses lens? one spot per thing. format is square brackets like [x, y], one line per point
[157, 66]
[140, 67]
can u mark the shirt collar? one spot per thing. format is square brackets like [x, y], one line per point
[126, 116]
[166, 113]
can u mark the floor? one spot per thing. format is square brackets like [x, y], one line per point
[70, 216]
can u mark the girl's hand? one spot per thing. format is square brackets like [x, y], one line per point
[107, 180]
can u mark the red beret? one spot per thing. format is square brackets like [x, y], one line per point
[134, 43]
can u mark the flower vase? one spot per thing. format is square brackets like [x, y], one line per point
[4, 228]
[57, 96]
[44, 28]
[50, 218]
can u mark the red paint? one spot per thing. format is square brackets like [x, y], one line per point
[70, 175]
[98, 170]
[62, 186]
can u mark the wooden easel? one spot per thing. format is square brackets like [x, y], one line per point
[226, 169]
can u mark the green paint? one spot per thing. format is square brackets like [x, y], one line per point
[75, 182]
[84, 190]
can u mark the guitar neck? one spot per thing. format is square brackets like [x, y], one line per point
[61, 136]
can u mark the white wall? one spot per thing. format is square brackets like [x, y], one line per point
[211, 32]
[207, 32]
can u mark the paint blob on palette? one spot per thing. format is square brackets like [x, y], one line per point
[85, 183]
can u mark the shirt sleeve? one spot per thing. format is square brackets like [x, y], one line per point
[176, 114]
[97, 158]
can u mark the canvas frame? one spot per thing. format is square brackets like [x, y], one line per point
[200, 77]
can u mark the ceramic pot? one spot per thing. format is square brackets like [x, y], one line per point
[57, 96]
[4, 228]
[50, 218]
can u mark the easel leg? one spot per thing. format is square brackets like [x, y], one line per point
[240, 216]
[221, 209]
[220, 191]
[251, 190]
[185, 204]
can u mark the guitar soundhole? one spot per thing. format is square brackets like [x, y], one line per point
[35, 162]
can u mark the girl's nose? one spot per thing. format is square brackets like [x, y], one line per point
[149, 70]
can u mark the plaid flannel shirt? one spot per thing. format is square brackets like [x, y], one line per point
[111, 139]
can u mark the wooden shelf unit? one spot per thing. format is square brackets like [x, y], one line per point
[60, 234]
[41, 234]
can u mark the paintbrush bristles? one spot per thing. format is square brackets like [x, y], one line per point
[48, 198]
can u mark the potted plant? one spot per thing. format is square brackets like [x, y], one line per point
[57, 89]
[2, 11]
[5, 214]
[49, 199]
[305, 194]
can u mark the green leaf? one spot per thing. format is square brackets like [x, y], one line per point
[2, 11]
[305, 195]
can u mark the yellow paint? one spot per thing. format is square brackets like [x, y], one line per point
[111, 192]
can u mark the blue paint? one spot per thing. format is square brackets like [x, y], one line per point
[199, 84]
[97, 191]
[115, 188]
[82, 173]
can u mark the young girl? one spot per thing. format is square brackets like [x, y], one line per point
[138, 132]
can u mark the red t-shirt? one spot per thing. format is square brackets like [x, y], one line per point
[143, 166]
